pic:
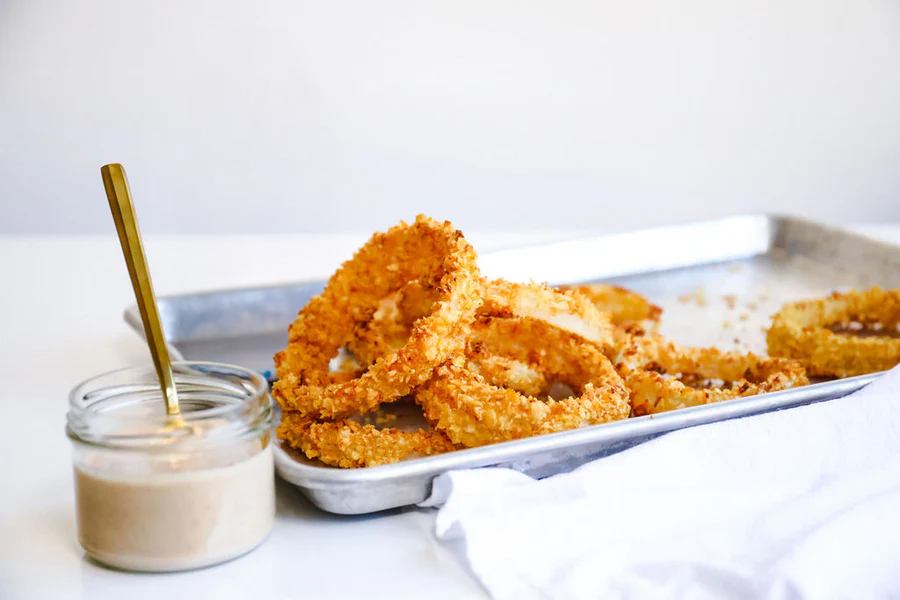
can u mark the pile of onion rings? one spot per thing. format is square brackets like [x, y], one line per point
[486, 361]
[806, 331]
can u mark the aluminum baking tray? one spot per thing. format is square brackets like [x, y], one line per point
[717, 281]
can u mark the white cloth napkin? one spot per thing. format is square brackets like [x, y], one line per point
[802, 503]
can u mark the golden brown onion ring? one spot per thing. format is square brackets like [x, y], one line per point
[801, 331]
[565, 310]
[626, 307]
[433, 253]
[570, 311]
[662, 376]
[388, 332]
[473, 412]
[348, 444]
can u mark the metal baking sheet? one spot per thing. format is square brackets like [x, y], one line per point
[717, 281]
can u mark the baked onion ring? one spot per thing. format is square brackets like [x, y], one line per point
[348, 444]
[433, 253]
[473, 412]
[570, 311]
[801, 330]
[662, 376]
[626, 308]
[565, 310]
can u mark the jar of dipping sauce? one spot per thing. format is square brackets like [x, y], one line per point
[158, 494]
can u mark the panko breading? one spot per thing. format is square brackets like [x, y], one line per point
[349, 444]
[568, 310]
[506, 371]
[473, 412]
[625, 307]
[801, 330]
[663, 376]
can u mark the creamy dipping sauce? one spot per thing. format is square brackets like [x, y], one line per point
[175, 520]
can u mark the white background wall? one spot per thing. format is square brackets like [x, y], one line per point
[319, 116]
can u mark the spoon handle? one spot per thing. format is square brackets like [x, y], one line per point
[119, 195]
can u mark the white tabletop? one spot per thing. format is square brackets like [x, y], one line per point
[60, 316]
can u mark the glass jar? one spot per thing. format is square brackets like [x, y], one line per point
[160, 494]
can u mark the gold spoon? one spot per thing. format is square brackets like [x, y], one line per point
[122, 208]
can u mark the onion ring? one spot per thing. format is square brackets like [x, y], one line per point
[663, 376]
[801, 331]
[433, 253]
[570, 311]
[565, 310]
[387, 333]
[626, 308]
[348, 444]
[473, 412]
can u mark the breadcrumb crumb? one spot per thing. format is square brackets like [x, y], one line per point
[698, 296]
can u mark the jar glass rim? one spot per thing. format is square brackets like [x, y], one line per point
[217, 399]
